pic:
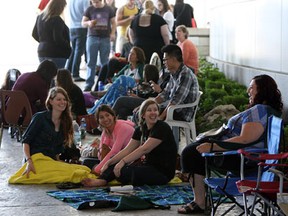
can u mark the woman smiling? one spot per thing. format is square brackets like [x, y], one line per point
[116, 134]
[149, 158]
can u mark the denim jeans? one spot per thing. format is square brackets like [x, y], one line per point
[60, 62]
[78, 43]
[125, 105]
[93, 46]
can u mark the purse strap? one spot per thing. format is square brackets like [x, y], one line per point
[233, 145]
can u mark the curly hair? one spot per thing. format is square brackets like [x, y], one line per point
[66, 116]
[267, 92]
[140, 54]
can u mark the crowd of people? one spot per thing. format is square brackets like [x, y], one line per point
[143, 151]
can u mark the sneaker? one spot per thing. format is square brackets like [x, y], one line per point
[79, 79]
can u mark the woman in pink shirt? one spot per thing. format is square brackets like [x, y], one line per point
[116, 134]
[189, 50]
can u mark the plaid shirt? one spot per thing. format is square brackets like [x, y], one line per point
[182, 88]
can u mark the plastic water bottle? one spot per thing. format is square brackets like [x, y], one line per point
[100, 86]
[77, 135]
[83, 128]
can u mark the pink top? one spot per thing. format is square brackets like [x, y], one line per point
[118, 140]
[190, 54]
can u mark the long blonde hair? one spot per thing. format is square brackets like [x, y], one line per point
[148, 7]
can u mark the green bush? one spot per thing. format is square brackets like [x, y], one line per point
[217, 90]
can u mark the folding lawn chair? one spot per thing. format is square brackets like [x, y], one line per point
[265, 187]
[16, 112]
[225, 187]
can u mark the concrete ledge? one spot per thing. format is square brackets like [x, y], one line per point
[201, 38]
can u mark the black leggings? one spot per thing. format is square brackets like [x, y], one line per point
[136, 174]
[193, 162]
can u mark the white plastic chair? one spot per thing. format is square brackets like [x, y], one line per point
[155, 60]
[189, 127]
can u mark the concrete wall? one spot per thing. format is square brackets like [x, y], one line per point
[200, 37]
[250, 37]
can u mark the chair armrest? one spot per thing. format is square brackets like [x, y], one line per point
[262, 156]
[170, 111]
[215, 154]
[281, 181]
[233, 152]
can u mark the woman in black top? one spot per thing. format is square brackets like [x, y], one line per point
[52, 34]
[64, 80]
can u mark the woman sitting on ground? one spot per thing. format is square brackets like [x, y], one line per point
[149, 158]
[245, 127]
[64, 80]
[44, 141]
[49, 131]
[115, 64]
[125, 105]
[116, 135]
[126, 79]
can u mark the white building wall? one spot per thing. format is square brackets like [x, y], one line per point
[250, 37]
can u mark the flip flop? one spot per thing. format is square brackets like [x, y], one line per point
[190, 208]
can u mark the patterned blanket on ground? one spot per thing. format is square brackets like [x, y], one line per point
[99, 198]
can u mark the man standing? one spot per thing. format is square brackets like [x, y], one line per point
[100, 21]
[124, 16]
[182, 87]
[78, 36]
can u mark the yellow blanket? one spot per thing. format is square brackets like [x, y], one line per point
[51, 171]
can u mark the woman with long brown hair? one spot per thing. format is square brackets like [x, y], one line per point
[49, 131]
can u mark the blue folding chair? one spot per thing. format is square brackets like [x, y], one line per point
[225, 187]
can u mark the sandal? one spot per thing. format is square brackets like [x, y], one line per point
[190, 208]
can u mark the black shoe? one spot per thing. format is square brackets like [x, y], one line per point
[79, 79]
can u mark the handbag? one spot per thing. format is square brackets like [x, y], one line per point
[215, 133]
[91, 123]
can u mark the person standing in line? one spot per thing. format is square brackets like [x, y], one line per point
[111, 3]
[100, 21]
[183, 13]
[149, 31]
[52, 34]
[164, 11]
[124, 16]
[189, 50]
[42, 5]
[78, 34]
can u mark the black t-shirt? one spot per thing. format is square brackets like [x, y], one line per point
[183, 14]
[163, 157]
